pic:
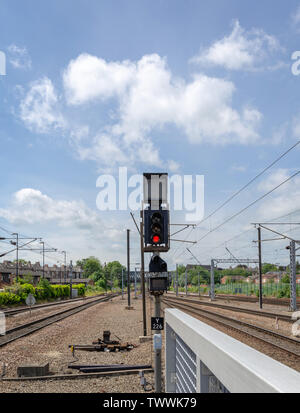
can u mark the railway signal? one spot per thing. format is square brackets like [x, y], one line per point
[155, 238]
[156, 229]
[157, 264]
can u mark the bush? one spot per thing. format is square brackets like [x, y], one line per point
[60, 291]
[46, 286]
[80, 288]
[280, 294]
[92, 289]
[18, 293]
[27, 279]
[7, 298]
[101, 283]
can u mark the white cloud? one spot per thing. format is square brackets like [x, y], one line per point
[285, 199]
[296, 126]
[280, 134]
[240, 50]
[89, 77]
[151, 98]
[274, 179]
[30, 206]
[147, 99]
[173, 166]
[19, 57]
[102, 148]
[38, 109]
[296, 16]
[238, 168]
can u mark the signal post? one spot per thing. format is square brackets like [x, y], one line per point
[156, 240]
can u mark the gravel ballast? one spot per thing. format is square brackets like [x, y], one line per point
[51, 344]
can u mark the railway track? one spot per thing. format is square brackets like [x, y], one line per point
[248, 299]
[280, 341]
[266, 300]
[33, 326]
[238, 309]
[13, 311]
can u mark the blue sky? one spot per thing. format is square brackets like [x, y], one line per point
[188, 87]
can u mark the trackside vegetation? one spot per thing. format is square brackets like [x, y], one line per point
[44, 291]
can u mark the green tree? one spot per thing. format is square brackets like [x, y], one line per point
[27, 279]
[266, 267]
[204, 276]
[113, 273]
[90, 266]
[285, 279]
[21, 261]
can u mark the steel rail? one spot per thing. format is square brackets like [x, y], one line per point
[78, 375]
[33, 326]
[12, 311]
[237, 309]
[250, 299]
[241, 326]
[266, 300]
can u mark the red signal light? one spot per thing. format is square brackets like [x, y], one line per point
[156, 239]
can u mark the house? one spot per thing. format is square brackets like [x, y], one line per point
[53, 274]
[253, 279]
[233, 278]
[272, 276]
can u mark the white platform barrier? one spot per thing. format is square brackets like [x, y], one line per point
[201, 359]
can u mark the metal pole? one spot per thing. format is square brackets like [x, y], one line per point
[135, 297]
[71, 269]
[17, 254]
[157, 358]
[105, 277]
[143, 274]
[43, 259]
[177, 280]
[128, 266]
[260, 268]
[212, 280]
[65, 253]
[186, 288]
[293, 286]
[199, 283]
[17, 262]
[122, 285]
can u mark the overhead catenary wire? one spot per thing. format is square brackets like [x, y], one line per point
[249, 206]
[249, 183]
[241, 189]
[208, 251]
[251, 229]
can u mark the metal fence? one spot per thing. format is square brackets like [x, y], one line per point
[201, 359]
[277, 290]
[269, 289]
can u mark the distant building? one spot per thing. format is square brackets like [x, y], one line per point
[232, 278]
[271, 276]
[54, 274]
[275, 276]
